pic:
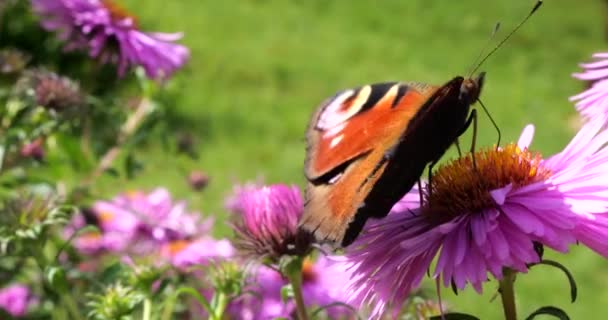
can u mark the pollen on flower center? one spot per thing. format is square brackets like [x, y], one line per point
[176, 246]
[459, 188]
[118, 12]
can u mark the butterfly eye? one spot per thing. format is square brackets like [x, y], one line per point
[469, 90]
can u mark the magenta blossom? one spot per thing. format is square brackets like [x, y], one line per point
[183, 253]
[15, 299]
[267, 220]
[110, 33]
[593, 102]
[262, 298]
[324, 282]
[485, 220]
[140, 223]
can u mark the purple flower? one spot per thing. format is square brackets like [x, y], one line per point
[34, 149]
[140, 223]
[481, 221]
[593, 102]
[267, 219]
[323, 283]
[110, 33]
[40, 87]
[262, 298]
[183, 253]
[15, 299]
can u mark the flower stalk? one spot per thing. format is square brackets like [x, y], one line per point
[218, 305]
[293, 271]
[128, 129]
[507, 294]
[147, 313]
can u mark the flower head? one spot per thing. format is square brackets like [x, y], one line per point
[142, 223]
[481, 218]
[111, 33]
[15, 299]
[267, 219]
[12, 60]
[323, 283]
[262, 298]
[186, 253]
[34, 149]
[49, 90]
[593, 102]
[198, 180]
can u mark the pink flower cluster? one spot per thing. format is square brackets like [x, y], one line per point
[137, 223]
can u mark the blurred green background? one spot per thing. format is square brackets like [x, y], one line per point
[259, 69]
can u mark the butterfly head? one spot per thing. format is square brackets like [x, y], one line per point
[471, 88]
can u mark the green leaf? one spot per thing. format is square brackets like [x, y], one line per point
[112, 172]
[113, 272]
[132, 166]
[549, 310]
[573, 288]
[286, 293]
[55, 276]
[454, 316]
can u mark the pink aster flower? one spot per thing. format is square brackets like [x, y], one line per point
[140, 223]
[323, 283]
[262, 298]
[267, 220]
[480, 221]
[186, 253]
[15, 299]
[110, 33]
[593, 102]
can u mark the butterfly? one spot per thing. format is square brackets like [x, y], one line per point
[368, 146]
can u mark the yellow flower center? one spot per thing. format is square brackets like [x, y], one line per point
[106, 216]
[118, 12]
[459, 187]
[176, 247]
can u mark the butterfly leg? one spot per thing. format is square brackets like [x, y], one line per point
[471, 120]
[493, 123]
[430, 183]
[474, 139]
[457, 144]
[420, 192]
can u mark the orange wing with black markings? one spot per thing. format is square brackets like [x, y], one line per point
[368, 146]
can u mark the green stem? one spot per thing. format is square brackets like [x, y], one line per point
[70, 305]
[294, 275]
[168, 309]
[219, 306]
[65, 298]
[507, 294]
[147, 313]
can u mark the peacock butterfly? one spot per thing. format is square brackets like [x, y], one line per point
[368, 146]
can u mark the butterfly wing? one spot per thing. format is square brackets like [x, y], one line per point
[349, 143]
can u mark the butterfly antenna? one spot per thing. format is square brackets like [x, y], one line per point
[483, 49]
[536, 6]
[491, 120]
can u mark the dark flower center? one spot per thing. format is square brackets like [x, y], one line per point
[458, 188]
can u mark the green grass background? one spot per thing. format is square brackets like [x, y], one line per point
[259, 68]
